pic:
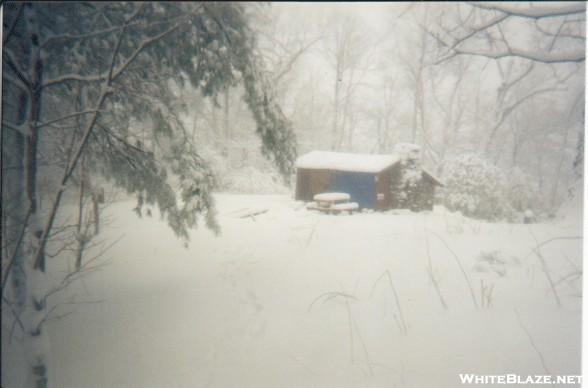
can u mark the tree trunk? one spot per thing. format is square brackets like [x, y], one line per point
[80, 234]
[14, 207]
[226, 124]
[335, 131]
[214, 120]
[35, 311]
[415, 114]
[557, 175]
[96, 203]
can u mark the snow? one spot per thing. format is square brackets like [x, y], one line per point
[341, 161]
[332, 197]
[295, 298]
[346, 206]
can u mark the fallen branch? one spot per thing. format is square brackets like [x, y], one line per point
[252, 213]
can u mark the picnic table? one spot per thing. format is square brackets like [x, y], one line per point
[334, 203]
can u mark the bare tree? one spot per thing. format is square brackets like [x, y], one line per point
[487, 30]
[347, 50]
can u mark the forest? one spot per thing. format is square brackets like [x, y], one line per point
[171, 115]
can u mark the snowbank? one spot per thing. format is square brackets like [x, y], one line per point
[294, 298]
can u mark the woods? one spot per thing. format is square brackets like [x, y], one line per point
[88, 89]
[452, 79]
[171, 102]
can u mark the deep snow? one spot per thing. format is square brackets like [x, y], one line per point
[255, 306]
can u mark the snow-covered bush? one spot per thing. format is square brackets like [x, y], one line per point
[407, 188]
[475, 187]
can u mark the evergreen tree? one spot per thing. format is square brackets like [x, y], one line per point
[97, 81]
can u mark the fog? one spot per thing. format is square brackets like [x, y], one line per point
[292, 194]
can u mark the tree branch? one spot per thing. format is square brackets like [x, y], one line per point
[13, 64]
[143, 45]
[106, 90]
[93, 34]
[74, 77]
[8, 33]
[536, 12]
[22, 129]
[8, 269]
[507, 11]
[508, 111]
[576, 56]
[74, 161]
[66, 117]
[476, 29]
[14, 313]
[293, 59]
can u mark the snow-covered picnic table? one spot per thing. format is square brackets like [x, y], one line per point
[333, 203]
[331, 198]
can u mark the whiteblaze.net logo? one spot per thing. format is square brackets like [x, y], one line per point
[471, 379]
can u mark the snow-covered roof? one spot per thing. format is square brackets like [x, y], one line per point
[340, 161]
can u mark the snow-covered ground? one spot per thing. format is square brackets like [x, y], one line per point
[293, 298]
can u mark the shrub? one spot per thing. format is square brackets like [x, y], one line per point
[475, 187]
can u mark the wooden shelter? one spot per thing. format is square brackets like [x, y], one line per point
[368, 179]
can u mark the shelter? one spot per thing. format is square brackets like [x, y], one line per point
[368, 179]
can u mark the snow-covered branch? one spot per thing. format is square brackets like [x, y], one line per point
[142, 46]
[539, 56]
[478, 28]
[88, 35]
[498, 14]
[93, 34]
[74, 77]
[559, 33]
[106, 90]
[535, 12]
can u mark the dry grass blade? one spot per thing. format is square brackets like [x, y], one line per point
[539, 245]
[537, 252]
[464, 273]
[401, 322]
[432, 275]
[331, 295]
[533, 344]
[311, 234]
[368, 360]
